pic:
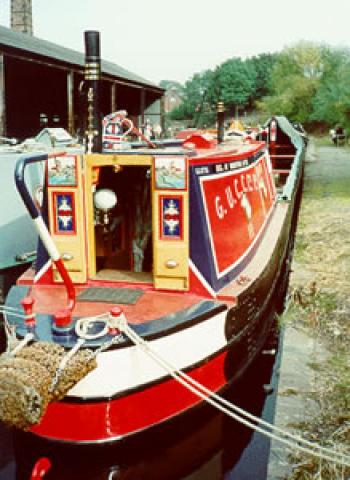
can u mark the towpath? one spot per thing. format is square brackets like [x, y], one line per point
[314, 385]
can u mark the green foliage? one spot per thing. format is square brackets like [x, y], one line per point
[307, 82]
[294, 80]
[196, 98]
[332, 100]
[235, 83]
[263, 65]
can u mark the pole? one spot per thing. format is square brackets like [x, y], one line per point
[93, 134]
[220, 116]
[70, 101]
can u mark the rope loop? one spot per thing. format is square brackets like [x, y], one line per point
[85, 324]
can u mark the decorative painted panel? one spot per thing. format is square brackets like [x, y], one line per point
[64, 212]
[62, 171]
[170, 173]
[171, 217]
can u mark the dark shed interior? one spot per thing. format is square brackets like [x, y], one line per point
[40, 85]
[33, 93]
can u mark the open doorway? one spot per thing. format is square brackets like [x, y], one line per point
[123, 224]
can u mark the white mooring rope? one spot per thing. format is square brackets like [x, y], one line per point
[229, 408]
[10, 330]
[15, 312]
[23, 343]
[282, 436]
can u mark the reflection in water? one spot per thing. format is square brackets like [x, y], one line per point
[209, 445]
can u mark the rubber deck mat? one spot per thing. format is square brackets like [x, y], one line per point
[110, 295]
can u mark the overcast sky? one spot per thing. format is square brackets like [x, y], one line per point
[164, 39]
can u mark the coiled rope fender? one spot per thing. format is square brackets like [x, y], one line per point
[287, 438]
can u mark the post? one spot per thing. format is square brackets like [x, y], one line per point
[143, 106]
[70, 101]
[272, 139]
[162, 116]
[220, 116]
[3, 129]
[113, 97]
[93, 134]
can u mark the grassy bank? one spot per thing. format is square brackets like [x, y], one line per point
[320, 303]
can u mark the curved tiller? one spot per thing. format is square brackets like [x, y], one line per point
[62, 317]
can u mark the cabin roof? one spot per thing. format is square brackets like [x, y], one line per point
[33, 45]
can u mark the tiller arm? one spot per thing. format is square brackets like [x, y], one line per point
[63, 317]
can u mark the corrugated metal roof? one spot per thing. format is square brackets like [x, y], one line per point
[43, 48]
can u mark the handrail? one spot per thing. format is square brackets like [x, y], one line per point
[289, 186]
[63, 317]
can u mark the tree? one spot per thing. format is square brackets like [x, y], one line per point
[263, 65]
[196, 95]
[295, 78]
[235, 82]
[331, 103]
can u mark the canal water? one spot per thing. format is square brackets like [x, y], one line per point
[209, 447]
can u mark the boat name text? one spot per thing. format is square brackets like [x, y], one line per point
[222, 167]
[233, 193]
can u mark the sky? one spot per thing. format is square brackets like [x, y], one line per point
[173, 40]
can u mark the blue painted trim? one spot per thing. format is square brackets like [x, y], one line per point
[21, 164]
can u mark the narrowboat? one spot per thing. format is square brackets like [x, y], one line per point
[209, 444]
[181, 248]
[17, 232]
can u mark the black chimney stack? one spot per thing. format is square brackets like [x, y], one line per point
[220, 117]
[93, 133]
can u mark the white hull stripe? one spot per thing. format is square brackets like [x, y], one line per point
[127, 368]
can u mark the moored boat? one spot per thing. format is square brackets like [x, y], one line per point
[183, 250]
[17, 232]
[205, 444]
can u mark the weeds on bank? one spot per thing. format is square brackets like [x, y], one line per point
[326, 317]
[310, 470]
[326, 141]
[322, 141]
[301, 245]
